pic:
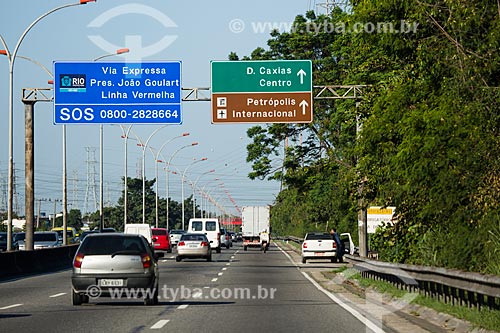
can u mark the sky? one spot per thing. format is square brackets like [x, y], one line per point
[193, 32]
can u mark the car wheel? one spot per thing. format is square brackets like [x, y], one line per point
[227, 247]
[304, 260]
[76, 298]
[178, 258]
[244, 248]
[217, 250]
[209, 257]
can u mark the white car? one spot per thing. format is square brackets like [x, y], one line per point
[175, 235]
[192, 245]
[210, 227]
[319, 245]
[42, 240]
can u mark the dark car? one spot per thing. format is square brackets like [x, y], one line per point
[3, 242]
[106, 263]
[86, 233]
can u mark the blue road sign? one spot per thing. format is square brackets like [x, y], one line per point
[117, 92]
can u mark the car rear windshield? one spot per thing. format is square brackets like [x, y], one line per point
[69, 233]
[211, 225]
[110, 245]
[159, 232]
[193, 238]
[318, 237]
[197, 226]
[50, 237]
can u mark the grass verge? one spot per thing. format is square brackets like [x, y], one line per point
[484, 318]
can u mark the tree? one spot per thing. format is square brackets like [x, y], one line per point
[75, 219]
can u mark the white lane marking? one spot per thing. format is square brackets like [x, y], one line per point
[214, 279]
[182, 306]
[172, 257]
[337, 300]
[219, 274]
[57, 295]
[228, 264]
[224, 268]
[160, 324]
[232, 257]
[10, 306]
[197, 295]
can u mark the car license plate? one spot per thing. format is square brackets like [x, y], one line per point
[157, 244]
[319, 254]
[193, 245]
[111, 282]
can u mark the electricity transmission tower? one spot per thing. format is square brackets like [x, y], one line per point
[91, 190]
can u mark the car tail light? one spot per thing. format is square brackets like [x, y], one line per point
[181, 243]
[204, 244]
[334, 245]
[218, 236]
[146, 260]
[77, 263]
[304, 245]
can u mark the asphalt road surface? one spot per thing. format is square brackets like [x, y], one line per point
[239, 291]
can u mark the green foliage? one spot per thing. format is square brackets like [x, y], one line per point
[429, 144]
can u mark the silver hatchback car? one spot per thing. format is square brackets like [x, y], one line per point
[115, 265]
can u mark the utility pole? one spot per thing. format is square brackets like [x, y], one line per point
[351, 92]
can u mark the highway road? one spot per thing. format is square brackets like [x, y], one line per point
[244, 291]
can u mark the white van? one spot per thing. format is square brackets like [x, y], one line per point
[208, 226]
[140, 229]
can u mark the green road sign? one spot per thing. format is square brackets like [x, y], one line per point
[274, 91]
[262, 76]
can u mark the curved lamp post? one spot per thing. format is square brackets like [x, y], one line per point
[11, 58]
[144, 146]
[166, 175]
[156, 170]
[194, 189]
[182, 185]
[101, 161]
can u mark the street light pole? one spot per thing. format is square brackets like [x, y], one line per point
[166, 176]
[194, 189]
[11, 58]
[125, 177]
[182, 185]
[101, 153]
[144, 146]
[157, 156]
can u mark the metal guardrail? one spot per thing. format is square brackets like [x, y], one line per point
[446, 285]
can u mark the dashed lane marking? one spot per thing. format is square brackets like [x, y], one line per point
[10, 306]
[160, 324]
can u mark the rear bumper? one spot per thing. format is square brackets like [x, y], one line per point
[319, 254]
[81, 283]
[193, 253]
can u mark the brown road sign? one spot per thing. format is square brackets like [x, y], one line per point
[289, 107]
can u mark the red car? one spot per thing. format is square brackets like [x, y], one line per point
[161, 240]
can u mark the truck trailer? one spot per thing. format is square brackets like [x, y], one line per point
[255, 227]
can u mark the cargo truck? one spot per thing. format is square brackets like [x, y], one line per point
[255, 227]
